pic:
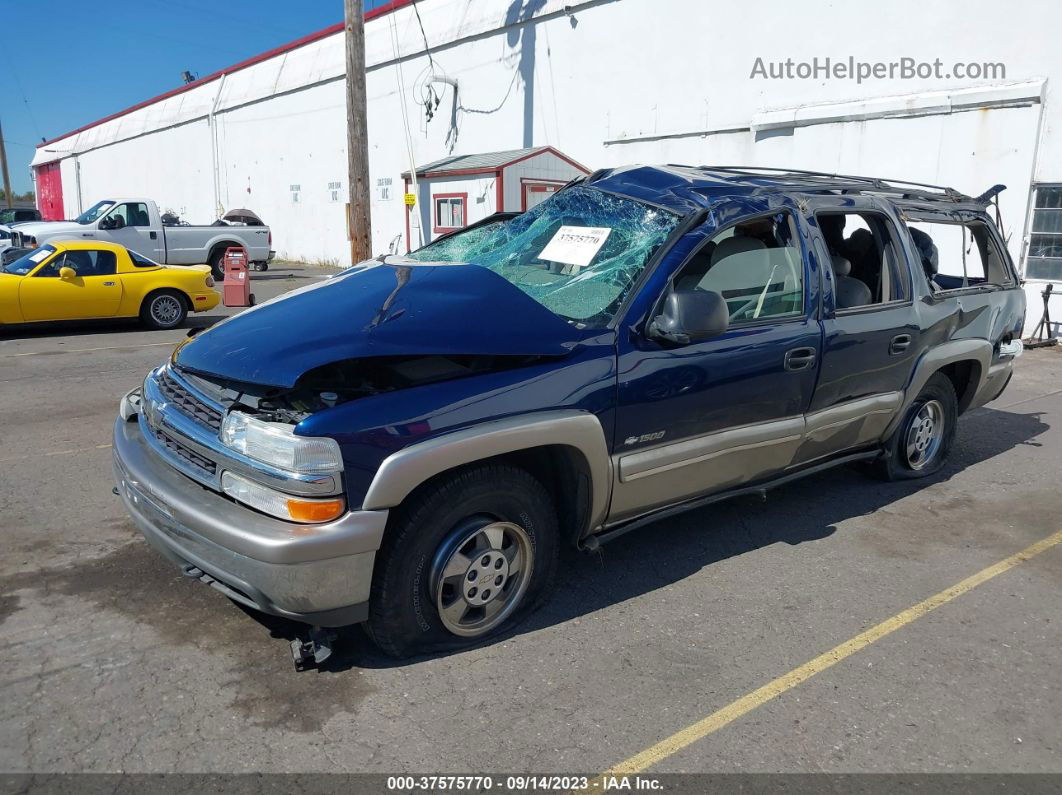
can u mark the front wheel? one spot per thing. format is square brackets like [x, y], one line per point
[920, 445]
[464, 559]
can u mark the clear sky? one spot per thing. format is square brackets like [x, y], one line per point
[65, 63]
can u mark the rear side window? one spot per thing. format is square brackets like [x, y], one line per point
[957, 256]
[865, 259]
[756, 265]
[141, 261]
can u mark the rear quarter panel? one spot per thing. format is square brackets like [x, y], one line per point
[986, 314]
[138, 282]
[188, 245]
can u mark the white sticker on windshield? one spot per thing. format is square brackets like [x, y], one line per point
[575, 245]
[38, 256]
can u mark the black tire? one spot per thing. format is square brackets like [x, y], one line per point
[898, 463]
[164, 309]
[424, 535]
[216, 269]
[261, 266]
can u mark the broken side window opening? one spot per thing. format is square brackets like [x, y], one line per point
[958, 256]
[590, 293]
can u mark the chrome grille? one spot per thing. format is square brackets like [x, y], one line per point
[187, 403]
[204, 464]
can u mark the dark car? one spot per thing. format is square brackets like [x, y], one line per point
[18, 215]
[412, 442]
[12, 253]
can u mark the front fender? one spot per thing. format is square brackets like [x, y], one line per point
[10, 312]
[403, 471]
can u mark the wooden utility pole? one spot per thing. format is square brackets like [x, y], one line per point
[3, 167]
[357, 134]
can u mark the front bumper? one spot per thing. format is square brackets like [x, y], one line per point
[319, 574]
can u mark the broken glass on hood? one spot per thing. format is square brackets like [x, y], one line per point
[578, 253]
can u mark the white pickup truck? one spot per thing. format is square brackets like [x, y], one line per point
[137, 225]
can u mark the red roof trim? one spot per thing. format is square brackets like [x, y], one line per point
[265, 56]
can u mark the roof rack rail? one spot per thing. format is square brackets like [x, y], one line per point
[849, 182]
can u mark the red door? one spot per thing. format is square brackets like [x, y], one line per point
[50, 192]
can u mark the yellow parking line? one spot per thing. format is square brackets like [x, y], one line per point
[735, 709]
[86, 350]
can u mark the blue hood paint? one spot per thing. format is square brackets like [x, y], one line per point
[381, 310]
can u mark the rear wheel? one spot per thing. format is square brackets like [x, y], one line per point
[463, 560]
[216, 269]
[261, 266]
[164, 309]
[921, 443]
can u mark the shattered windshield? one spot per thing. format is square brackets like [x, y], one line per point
[578, 253]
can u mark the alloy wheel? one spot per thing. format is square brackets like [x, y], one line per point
[480, 575]
[925, 434]
[165, 310]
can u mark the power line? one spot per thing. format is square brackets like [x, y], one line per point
[423, 35]
[25, 99]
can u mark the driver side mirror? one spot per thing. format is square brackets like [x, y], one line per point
[67, 273]
[690, 316]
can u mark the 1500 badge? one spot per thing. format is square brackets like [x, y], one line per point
[645, 437]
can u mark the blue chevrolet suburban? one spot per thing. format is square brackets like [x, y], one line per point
[411, 443]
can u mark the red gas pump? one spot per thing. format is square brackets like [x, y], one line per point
[237, 289]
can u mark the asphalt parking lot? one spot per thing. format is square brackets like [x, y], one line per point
[112, 662]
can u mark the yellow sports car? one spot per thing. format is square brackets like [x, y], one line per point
[76, 280]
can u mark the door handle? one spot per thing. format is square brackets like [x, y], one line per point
[108, 284]
[154, 235]
[899, 344]
[87, 234]
[800, 359]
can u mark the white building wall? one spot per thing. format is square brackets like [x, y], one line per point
[297, 139]
[141, 166]
[606, 82]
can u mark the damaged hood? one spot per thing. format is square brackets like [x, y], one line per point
[394, 308]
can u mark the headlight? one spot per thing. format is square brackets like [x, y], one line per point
[274, 443]
[283, 506]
